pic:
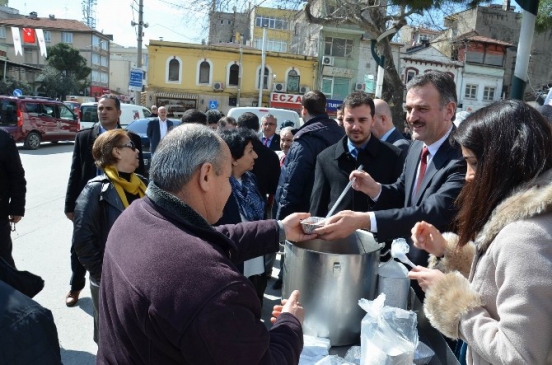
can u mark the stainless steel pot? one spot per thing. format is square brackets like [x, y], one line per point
[332, 276]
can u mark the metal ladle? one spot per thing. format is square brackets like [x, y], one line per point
[334, 207]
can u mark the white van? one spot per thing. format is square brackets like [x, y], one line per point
[129, 113]
[284, 118]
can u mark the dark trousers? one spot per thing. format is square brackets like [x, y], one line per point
[78, 279]
[95, 294]
[6, 242]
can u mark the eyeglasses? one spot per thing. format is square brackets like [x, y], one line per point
[130, 145]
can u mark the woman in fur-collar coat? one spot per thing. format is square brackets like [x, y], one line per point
[491, 285]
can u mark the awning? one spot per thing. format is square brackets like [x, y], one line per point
[12, 64]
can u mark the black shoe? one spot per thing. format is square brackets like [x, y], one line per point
[277, 284]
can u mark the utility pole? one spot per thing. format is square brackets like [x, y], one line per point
[529, 18]
[261, 76]
[141, 25]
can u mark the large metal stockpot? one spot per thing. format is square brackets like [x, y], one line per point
[332, 276]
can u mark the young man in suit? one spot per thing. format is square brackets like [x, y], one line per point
[84, 169]
[383, 126]
[383, 161]
[268, 135]
[429, 183]
[158, 128]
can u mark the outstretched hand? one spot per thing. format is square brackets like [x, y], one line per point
[342, 224]
[425, 277]
[365, 183]
[426, 237]
[294, 230]
[291, 306]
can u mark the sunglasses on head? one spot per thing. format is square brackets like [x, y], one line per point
[130, 145]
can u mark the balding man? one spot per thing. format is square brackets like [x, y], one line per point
[171, 292]
[158, 128]
[383, 126]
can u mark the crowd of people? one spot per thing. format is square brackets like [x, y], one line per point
[473, 200]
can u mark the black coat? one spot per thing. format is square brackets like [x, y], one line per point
[12, 178]
[397, 213]
[83, 167]
[28, 334]
[383, 161]
[266, 168]
[154, 134]
[398, 140]
[312, 138]
[97, 208]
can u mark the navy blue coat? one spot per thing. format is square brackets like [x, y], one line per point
[312, 138]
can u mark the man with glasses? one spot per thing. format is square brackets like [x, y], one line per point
[268, 134]
[84, 169]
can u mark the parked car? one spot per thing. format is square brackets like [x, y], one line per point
[129, 113]
[34, 119]
[140, 127]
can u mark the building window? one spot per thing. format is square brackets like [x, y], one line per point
[271, 22]
[95, 76]
[233, 75]
[204, 70]
[488, 93]
[340, 88]
[470, 92]
[327, 87]
[104, 44]
[273, 45]
[2, 32]
[28, 55]
[47, 36]
[292, 81]
[66, 37]
[338, 47]
[104, 77]
[95, 41]
[173, 67]
[104, 61]
[265, 78]
[95, 59]
[410, 74]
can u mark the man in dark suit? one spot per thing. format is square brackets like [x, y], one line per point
[383, 126]
[158, 128]
[84, 169]
[429, 183]
[383, 161]
[268, 134]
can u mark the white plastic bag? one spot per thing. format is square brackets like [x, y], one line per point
[388, 335]
[314, 349]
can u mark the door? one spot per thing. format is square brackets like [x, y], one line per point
[67, 122]
[47, 117]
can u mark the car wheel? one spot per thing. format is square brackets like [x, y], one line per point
[32, 142]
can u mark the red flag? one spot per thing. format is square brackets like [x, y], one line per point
[29, 35]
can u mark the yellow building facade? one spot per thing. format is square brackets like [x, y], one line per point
[278, 24]
[183, 76]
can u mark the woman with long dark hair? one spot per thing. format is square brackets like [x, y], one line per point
[491, 285]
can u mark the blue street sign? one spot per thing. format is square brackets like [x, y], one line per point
[331, 105]
[136, 76]
[213, 104]
[17, 92]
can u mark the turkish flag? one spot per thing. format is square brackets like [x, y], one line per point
[29, 35]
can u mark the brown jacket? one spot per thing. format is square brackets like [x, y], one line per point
[503, 309]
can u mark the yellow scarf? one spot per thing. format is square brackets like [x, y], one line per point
[134, 186]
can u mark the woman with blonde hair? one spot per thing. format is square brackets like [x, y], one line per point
[102, 200]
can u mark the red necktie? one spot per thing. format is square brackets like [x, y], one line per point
[423, 167]
[282, 160]
[266, 141]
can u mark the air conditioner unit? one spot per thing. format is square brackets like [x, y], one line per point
[328, 61]
[359, 86]
[304, 89]
[218, 86]
[279, 87]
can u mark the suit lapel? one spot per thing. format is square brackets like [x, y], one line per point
[437, 162]
[411, 167]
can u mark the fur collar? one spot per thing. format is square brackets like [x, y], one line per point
[531, 199]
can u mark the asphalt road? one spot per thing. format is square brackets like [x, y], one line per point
[41, 245]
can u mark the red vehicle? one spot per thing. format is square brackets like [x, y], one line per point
[33, 119]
